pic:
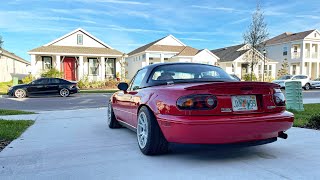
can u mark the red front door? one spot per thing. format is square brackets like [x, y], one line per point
[69, 68]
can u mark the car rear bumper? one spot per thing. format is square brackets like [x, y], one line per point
[223, 129]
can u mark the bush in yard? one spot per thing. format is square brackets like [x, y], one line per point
[314, 122]
[247, 77]
[28, 79]
[84, 83]
[52, 73]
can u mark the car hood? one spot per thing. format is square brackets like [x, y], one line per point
[20, 86]
[279, 81]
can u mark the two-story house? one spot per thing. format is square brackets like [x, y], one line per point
[166, 49]
[302, 50]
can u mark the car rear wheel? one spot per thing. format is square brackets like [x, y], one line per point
[20, 93]
[112, 121]
[64, 92]
[151, 141]
[307, 87]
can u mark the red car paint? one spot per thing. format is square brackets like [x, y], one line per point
[217, 126]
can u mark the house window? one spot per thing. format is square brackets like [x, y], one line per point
[232, 68]
[285, 51]
[295, 49]
[93, 66]
[80, 39]
[270, 70]
[294, 69]
[315, 34]
[259, 69]
[47, 62]
[110, 66]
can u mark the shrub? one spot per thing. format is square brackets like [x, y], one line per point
[84, 83]
[247, 77]
[52, 73]
[27, 79]
[314, 122]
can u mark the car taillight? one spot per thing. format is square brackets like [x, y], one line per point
[279, 98]
[197, 102]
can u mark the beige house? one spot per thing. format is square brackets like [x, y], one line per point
[166, 49]
[11, 66]
[301, 50]
[78, 54]
[235, 60]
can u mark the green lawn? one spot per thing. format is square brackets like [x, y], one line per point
[13, 112]
[301, 118]
[4, 86]
[10, 130]
[99, 91]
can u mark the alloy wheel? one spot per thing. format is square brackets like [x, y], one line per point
[64, 92]
[19, 93]
[142, 130]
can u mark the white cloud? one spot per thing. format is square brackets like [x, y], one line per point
[195, 39]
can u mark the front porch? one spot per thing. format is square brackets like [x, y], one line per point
[75, 68]
[311, 69]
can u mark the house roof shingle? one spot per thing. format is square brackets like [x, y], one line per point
[13, 56]
[75, 50]
[288, 36]
[230, 53]
[182, 50]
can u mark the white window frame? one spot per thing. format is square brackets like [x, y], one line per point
[79, 39]
[91, 64]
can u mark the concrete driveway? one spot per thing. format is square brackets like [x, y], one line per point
[77, 144]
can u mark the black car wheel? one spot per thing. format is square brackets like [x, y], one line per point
[151, 141]
[112, 121]
[307, 87]
[64, 92]
[20, 93]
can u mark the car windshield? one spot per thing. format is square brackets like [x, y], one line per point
[189, 73]
[285, 77]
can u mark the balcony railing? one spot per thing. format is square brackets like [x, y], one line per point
[307, 55]
[295, 55]
[314, 55]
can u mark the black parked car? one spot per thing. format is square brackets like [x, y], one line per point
[44, 86]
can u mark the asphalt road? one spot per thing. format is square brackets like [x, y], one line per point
[84, 101]
[50, 103]
[77, 144]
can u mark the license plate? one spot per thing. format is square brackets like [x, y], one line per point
[244, 103]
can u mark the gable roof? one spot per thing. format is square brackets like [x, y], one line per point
[153, 46]
[288, 36]
[83, 31]
[13, 56]
[188, 51]
[230, 53]
[75, 50]
[208, 51]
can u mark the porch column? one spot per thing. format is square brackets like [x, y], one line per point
[162, 58]
[147, 58]
[80, 70]
[318, 69]
[309, 69]
[103, 68]
[302, 67]
[58, 65]
[33, 64]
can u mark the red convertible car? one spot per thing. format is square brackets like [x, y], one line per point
[197, 104]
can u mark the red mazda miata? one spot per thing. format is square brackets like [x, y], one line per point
[197, 104]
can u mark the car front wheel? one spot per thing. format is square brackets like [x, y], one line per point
[20, 93]
[307, 86]
[151, 141]
[111, 118]
[64, 92]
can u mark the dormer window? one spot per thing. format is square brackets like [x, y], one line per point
[80, 39]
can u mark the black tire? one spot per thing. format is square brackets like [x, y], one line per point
[307, 87]
[111, 119]
[156, 142]
[64, 92]
[20, 93]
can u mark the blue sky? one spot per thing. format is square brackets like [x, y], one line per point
[126, 25]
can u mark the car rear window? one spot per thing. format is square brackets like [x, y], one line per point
[189, 72]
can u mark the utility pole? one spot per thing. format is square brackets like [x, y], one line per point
[264, 62]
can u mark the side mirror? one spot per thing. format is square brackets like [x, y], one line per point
[123, 86]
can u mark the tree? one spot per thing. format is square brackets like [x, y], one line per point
[284, 68]
[1, 42]
[255, 37]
